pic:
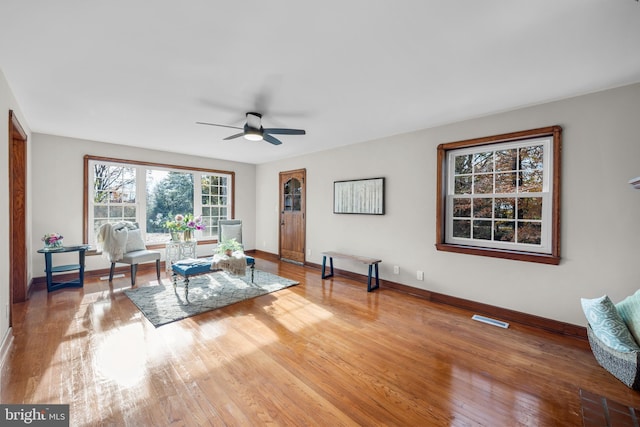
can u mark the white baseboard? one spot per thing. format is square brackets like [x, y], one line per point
[7, 341]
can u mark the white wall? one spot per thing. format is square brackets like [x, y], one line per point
[600, 231]
[8, 102]
[57, 175]
[599, 221]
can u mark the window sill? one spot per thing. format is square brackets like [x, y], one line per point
[498, 253]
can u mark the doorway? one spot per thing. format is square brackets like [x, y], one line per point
[293, 215]
[17, 213]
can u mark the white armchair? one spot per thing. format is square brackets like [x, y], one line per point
[122, 243]
[230, 229]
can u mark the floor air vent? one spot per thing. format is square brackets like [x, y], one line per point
[115, 276]
[490, 321]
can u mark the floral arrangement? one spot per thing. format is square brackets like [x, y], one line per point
[185, 223]
[52, 239]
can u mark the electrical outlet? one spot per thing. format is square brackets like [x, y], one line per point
[308, 252]
[396, 269]
[6, 311]
[420, 275]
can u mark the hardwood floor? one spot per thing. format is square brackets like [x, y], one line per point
[321, 353]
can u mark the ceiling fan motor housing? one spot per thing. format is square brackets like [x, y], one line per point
[253, 130]
[254, 120]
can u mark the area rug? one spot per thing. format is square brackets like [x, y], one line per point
[162, 304]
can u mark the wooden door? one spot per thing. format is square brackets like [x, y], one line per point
[292, 215]
[17, 212]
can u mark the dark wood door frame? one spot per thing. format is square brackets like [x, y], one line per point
[17, 212]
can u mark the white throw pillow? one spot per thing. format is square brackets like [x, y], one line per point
[134, 241]
[232, 232]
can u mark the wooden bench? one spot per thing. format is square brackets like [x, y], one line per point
[372, 262]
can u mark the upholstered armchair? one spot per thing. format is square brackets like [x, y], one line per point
[230, 229]
[122, 243]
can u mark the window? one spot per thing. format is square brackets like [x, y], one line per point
[292, 195]
[151, 194]
[499, 196]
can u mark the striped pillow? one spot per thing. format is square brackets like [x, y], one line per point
[629, 309]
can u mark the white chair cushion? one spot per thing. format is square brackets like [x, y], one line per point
[137, 257]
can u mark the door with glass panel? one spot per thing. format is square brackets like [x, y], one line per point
[292, 215]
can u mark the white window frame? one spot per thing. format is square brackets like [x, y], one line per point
[140, 200]
[546, 194]
[548, 251]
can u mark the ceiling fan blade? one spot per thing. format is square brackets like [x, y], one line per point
[237, 135]
[214, 124]
[272, 140]
[283, 131]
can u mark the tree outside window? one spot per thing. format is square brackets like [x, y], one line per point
[116, 186]
[499, 196]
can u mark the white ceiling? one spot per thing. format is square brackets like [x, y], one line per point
[141, 73]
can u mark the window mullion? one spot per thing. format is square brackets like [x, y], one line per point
[197, 193]
[141, 197]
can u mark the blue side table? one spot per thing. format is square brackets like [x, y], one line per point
[50, 269]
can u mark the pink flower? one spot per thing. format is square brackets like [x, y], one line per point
[51, 238]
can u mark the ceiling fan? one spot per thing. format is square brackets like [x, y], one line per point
[253, 130]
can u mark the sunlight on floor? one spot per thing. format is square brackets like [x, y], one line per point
[126, 356]
[287, 309]
[121, 356]
[484, 390]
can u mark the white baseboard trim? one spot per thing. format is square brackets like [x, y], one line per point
[7, 341]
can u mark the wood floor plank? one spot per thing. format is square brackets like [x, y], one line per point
[324, 352]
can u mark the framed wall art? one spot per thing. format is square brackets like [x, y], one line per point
[359, 196]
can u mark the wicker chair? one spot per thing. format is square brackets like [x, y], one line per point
[625, 366]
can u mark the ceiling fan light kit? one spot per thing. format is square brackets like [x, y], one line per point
[252, 135]
[253, 130]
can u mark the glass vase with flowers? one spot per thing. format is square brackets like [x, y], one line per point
[183, 226]
[53, 240]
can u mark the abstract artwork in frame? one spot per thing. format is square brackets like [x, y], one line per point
[360, 196]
